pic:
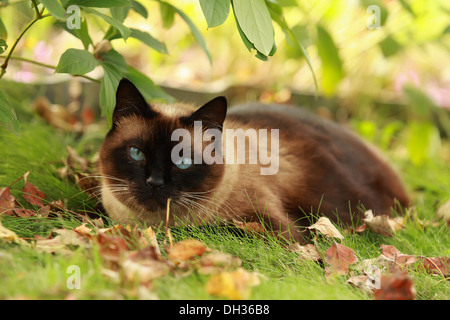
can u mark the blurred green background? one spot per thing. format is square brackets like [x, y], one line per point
[385, 71]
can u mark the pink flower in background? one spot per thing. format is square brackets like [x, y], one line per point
[440, 96]
[24, 74]
[42, 52]
[411, 77]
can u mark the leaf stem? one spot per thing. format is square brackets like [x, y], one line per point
[36, 18]
[35, 8]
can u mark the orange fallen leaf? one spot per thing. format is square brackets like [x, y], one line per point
[340, 258]
[83, 230]
[438, 265]
[31, 193]
[148, 237]
[251, 226]
[396, 286]
[6, 201]
[144, 265]
[112, 247]
[235, 285]
[187, 249]
[24, 213]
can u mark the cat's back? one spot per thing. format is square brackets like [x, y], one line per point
[322, 154]
[288, 119]
[301, 130]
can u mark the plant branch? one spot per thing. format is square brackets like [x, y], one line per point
[35, 8]
[8, 56]
[48, 66]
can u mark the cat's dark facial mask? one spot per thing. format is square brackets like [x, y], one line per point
[135, 157]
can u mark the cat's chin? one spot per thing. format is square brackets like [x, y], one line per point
[133, 212]
[154, 205]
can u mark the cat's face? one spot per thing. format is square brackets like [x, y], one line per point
[136, 157]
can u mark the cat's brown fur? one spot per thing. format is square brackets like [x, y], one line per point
[323, 168]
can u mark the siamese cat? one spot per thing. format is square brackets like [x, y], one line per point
[274, 164]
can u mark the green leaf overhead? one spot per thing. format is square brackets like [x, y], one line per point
[99, 3]
[167, 14]
[83, 34]
[197, 35]
[389, 46]
[124, 31]
[108, 87]
[215, 11]
[55, 9]
[3, 31]
[75, 61]
[146, 38]
[149, 90]
[254, 19]
[139, 8]
[332, 71]
[3, 46]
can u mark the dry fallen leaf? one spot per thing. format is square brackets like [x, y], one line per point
[186, 250]
[150, 235]
[396, 286]
[444, 212]
[217, 261]
[62, 242]
[306, 252]
[54, 114]
[7, 201]
[382, 224]
[10, 236]
[393, 254]
[251, 226]
[364, 282]
[83, 230]
[235, 285]
[112, 248]
[438, 265]
[340, 258]
[24, 213]
[31, 193]
[435, 265]
[144, 266]
[324, 226]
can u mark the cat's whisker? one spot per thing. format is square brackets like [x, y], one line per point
[202, 210]
[210, 200]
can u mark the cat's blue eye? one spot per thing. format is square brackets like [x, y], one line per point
[136, 154]
[183, 163]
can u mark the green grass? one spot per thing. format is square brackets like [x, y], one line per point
[27, 273]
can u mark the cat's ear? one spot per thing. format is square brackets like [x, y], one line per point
[212, 113]
[130, 101]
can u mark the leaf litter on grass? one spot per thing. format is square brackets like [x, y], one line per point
[129, 255]
[132, 255]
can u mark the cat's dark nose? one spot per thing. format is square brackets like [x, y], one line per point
[155, 180]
